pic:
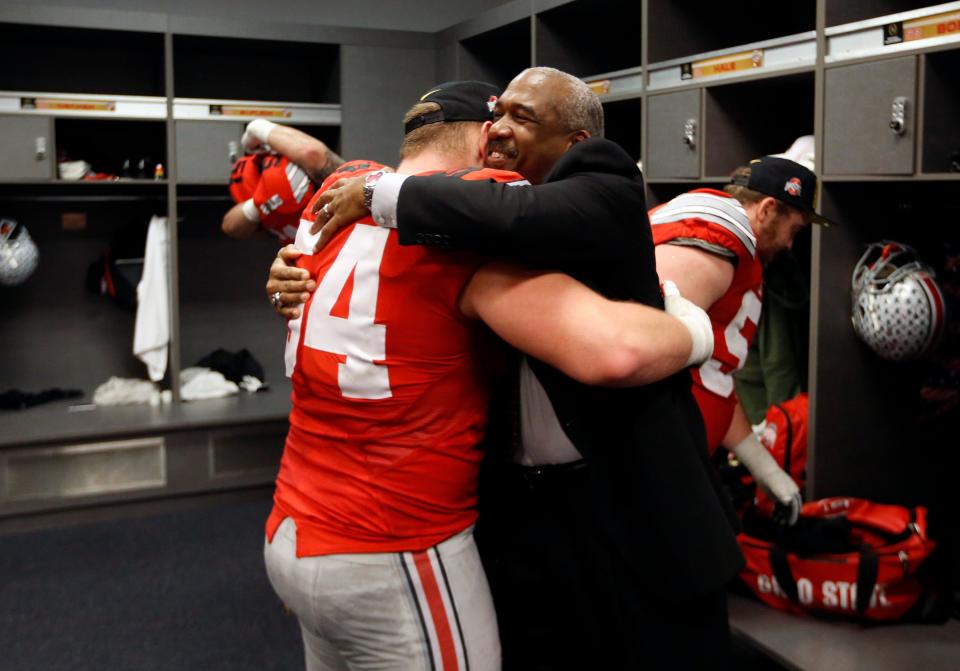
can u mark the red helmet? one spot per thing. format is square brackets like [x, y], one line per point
[282, 193]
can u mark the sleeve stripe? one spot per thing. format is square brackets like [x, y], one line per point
[298, 180]
[719, 250]
[710, 208]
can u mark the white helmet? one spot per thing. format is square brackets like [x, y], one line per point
[898, 309]
[18, 253]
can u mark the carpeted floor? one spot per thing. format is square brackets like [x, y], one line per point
[178, 592]
[183, 591]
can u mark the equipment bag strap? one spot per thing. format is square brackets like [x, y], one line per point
[783, 574]
[867, 573]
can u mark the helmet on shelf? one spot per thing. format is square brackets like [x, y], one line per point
[898, 309]
[18, 253]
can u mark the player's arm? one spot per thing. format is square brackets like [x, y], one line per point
[701, 276]
[315, 157]
[556, 319]
[566, 222]
[241, 221]
[770, 477]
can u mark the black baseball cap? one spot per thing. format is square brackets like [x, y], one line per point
[787, 181]
[459, 101]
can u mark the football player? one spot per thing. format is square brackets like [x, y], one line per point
[370, 540]
[271, 184]
[715, 243]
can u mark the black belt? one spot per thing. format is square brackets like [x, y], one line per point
[549, 475]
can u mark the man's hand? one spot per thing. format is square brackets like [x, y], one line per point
[694, 318]
[293, 284]
[338, 206]
[772, 479]
[255, 136]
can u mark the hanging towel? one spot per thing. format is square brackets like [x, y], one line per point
[151, 335]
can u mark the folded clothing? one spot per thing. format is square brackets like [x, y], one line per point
[197, 383]
[234, 365]
[126, 391]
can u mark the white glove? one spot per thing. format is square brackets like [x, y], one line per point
[694, 318]
[769, 476]
[255, 136]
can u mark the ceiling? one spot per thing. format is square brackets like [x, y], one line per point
[418, 15]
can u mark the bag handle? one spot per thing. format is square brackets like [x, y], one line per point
[867, 572]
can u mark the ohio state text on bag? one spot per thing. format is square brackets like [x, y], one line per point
[846, 557]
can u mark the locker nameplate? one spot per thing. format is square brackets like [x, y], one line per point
[250, 111]
[68, 105]
[600, 86]
[722, 65]
[924, 28]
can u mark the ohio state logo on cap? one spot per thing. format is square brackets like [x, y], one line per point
[793, 187]
[491, 102]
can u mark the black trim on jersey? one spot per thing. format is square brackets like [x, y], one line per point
[416, 601]
[453, 607]
[460, 172]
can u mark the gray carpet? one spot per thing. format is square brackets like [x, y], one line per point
[178, 591]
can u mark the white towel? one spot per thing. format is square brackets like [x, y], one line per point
[151, 335]
[802, 151]
[198, 383]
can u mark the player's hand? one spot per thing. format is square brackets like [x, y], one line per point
[254, 139]
[781, 488]
[770, 477]
[338, 206]
[694, 318]
[293, 284]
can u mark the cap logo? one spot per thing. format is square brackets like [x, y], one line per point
[491, 102]
[428, 94]
[793, 187]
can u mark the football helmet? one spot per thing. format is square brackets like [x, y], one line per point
[898, 309]
[18, 253]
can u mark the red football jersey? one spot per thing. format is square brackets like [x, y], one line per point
[283, 190]
[244, 177]
[390, 393]
[714, 221]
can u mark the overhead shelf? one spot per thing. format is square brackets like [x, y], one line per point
[617, 85]
[245, 110]
[783, 53]
[917, 29]
[83, 105]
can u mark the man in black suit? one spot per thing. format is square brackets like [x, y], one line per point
[607, 537]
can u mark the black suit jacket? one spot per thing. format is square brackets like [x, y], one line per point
[653, 489]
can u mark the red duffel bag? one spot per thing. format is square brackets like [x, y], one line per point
[845, 557]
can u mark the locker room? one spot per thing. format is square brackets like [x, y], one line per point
[636, 341]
